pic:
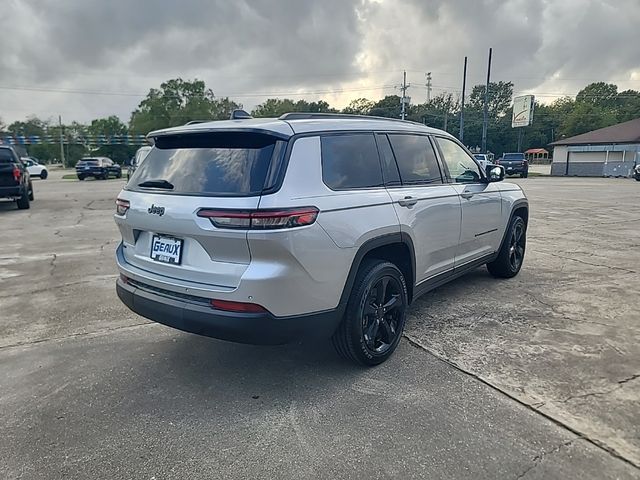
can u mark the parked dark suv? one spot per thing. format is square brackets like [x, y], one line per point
[514, 164]
[99, 168]
[15, 182]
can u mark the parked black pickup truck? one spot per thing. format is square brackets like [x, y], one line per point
[15, 182]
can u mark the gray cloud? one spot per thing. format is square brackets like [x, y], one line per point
[248, 46]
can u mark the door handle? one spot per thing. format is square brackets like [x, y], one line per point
[466, 195]
[407, 201]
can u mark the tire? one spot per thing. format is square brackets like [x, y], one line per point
[511, 255]
[23, 201]
[80, 178]
[30, 191]
[119, 175]
[369, 333]
[44, 175]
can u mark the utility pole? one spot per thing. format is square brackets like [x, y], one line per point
[464, 86]
[428, 85]
[485, 116]
[404, 88]
[61, 142]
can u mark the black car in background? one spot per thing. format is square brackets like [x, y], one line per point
[15, 182]
[99, 168]
[514, 164]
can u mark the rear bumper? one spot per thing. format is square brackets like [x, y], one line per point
[252, 328]
[13, 191]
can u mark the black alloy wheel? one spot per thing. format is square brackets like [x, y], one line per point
[516, 246]
[511, 255]
[382, 314]
[374, 319]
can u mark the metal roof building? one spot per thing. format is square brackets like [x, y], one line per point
[609, 151]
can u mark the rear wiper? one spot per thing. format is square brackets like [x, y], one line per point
[157, 184]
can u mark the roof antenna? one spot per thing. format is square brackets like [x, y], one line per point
[239, 114]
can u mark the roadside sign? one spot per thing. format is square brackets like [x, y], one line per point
[522, 111]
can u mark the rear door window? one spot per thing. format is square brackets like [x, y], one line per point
[416, 159]
[350, 161]
[210, 164]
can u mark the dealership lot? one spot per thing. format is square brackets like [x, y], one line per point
[536, 377]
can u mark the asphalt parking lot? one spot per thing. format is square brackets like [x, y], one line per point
[534, 377]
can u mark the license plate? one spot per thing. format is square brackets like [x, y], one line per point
[87, 168]
[509, 168]
[166, 249]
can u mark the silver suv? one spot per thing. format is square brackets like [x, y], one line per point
[265, 231]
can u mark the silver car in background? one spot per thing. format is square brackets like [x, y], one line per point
[267, 231]
[137, 159]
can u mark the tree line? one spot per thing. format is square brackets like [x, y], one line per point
[179, 101]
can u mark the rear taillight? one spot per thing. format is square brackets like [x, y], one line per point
[260, 219]
[239, 307]
[121, 206]
[16, 173]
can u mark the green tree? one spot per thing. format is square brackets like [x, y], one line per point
[359, 106]
[586, 116]
[110, 127]
[599, 94]
[500, 97]
[628, 105]
[389, 107]
[177, 102]
[274, 107]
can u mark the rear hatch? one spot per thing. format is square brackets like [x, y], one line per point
[512, 160]
[87, 165]
[7, 167]
[183, 174]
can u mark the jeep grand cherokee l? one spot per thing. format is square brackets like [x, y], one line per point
[265, 231]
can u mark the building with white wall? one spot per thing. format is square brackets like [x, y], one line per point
[611, 152]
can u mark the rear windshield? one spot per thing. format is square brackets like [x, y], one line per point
[222, 164]
[91, 162]
[6, 156]
[513, 156]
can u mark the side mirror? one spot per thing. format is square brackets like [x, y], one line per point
[495, 173]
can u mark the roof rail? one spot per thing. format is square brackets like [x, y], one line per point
[193, 122]
[334, 116]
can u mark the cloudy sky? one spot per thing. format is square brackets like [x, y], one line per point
[84, 59]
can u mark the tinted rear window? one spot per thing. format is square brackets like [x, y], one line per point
[230, 163]
[6, 156]
[513, 156]
[90, 162]
[416, 159]
[350, 161]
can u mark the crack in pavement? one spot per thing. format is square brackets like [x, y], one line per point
[539, 457]
[96, 333]
[597, 443]
[621, 269]
[619, 385]
[52, 263]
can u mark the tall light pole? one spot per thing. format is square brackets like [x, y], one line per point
[61, 142]
[485, 116]
[464, 86]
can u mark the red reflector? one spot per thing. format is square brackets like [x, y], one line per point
[240, 307]
[16, 173]
[121, 206]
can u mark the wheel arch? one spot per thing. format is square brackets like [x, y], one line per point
[519, 208]
[396, 248]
